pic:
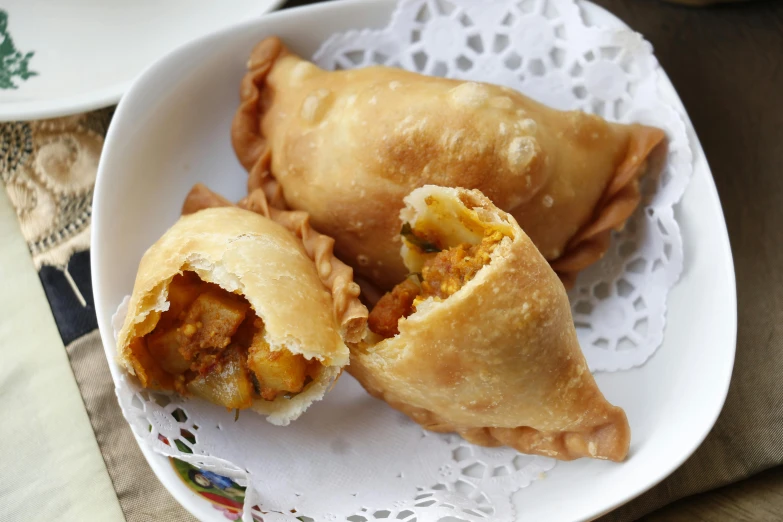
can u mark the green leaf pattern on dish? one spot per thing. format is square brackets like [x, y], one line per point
[13, 63]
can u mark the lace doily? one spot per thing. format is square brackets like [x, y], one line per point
[544, 49]
[347, 441]
[351, 457]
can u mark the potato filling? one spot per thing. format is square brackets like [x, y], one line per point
[211, 344]
[442, 275]
[395, 304]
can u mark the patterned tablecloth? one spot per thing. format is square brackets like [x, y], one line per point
[731, 87]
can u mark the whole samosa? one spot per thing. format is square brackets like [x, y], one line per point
[348, 146]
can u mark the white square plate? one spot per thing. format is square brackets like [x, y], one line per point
[171, 130]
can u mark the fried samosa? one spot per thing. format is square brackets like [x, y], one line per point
[479, 338]
[348, 146]
[218, 308]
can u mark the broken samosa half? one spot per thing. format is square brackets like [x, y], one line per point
[229, 307]
[480, 340]
[347, 146]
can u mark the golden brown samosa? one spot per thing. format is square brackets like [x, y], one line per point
[347, 146]
[217, 311]
[481, 341]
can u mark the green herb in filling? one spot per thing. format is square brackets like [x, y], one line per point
[425, 246]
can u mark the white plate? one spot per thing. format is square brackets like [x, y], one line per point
[172, 130]
[85, 53]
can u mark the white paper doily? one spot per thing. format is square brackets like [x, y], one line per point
[543, 49]
[351, 457]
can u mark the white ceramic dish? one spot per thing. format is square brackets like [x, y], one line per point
[171, 130]
[87, 52]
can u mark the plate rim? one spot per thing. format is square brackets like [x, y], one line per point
[159, 463]
[94, 99]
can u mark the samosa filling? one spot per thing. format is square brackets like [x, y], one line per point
[211, 344]
[442, 275]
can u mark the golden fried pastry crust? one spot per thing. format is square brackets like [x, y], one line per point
[256, 259]
[348, 146]
[498, 360]
[335, 275]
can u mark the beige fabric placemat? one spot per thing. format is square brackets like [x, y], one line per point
[141, 495]
[51, 467]
[52, 464]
